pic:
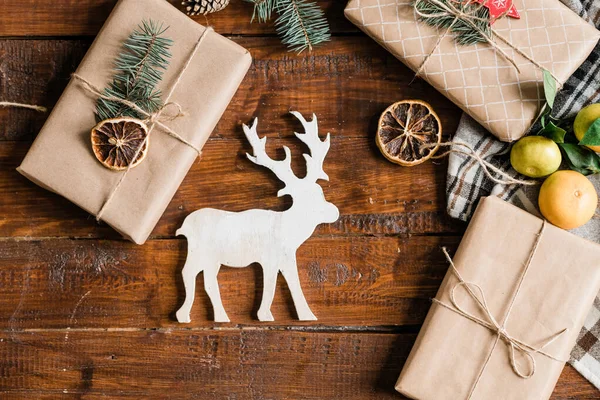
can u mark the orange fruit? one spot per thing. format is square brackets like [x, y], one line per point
[409, 132]
[567, 199]
[584, 120]
[116, 141]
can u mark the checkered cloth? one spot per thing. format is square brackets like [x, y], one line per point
[467, 183]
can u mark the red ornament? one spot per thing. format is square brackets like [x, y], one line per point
[499, 8]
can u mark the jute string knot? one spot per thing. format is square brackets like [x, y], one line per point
[469, 17]
[154, 118]
[151, 119]
[477, 295]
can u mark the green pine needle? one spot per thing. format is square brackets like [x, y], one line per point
[263, 9]
[301, 25]
[139, 68]
[464, 33]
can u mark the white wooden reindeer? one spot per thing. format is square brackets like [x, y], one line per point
[268, 237]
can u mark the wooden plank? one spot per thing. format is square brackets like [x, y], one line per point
[86, 17]
[232, 364]
[373, 195]
[348, 281]
[347, 83]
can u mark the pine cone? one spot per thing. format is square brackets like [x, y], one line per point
[196, 7]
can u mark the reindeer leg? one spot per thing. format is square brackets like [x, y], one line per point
[189, 274]
[269, 283]
[211, 285]
[290, 273]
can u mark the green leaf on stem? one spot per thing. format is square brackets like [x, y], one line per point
[549, 88]
[551, 131]
[581, 159]
[592, 135]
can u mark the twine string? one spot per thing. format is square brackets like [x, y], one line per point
[469, 18]
[494, 173]
[152, 119]
[515, 345]
[22, 105]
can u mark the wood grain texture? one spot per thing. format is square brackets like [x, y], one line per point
[85, 18]
[374, 196]
[231, 364]
[347, 83]
[88, 316]
[348, 281]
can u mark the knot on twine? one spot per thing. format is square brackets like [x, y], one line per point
[515, 345]
[155, 118]
[469, 17]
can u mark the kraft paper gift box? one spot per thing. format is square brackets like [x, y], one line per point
[537, 279]
[478, 78]
[61, 158]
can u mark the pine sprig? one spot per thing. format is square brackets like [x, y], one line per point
[139, 68]
[301, 24]
[464, 32]
[263, 10]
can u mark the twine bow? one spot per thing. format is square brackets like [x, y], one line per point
[515, 345]
[152, 119]
[469, 17]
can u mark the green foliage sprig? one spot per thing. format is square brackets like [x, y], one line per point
[464, 32]
[139, 68]
[300, 24]
[263, 10]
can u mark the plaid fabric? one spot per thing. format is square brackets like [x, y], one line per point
[586, 354]
[466, 181]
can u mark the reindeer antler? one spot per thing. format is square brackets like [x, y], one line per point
[281, 168]
[318, 148]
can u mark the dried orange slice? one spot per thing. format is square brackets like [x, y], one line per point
[409, 132]
[115, 142]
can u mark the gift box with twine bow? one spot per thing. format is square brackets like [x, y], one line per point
[508, 312]
[204, 73]
[499, 79]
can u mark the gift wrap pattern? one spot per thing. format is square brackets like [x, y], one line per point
[478, 78]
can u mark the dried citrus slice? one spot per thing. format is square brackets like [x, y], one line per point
[409, 132]
[115, 142]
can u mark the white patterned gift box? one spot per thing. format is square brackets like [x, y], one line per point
[478, 78]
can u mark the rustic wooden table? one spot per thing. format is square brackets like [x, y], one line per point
[88, 315]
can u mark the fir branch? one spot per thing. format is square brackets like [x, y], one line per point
[263, 9]
[464, 32]
[139, 68]
[301, 25]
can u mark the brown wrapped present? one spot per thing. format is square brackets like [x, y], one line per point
[61, 158]
[479, 78]
[507, 316]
